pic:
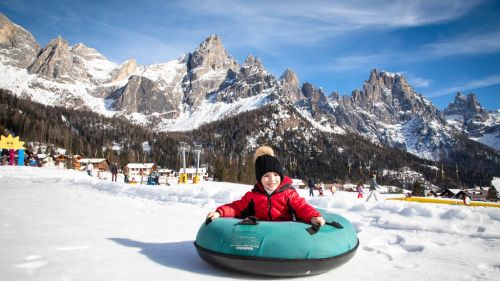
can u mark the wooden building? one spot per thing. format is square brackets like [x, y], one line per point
[136, 168]
[100, 164]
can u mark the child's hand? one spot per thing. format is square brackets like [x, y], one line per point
[318, 221]
[213, 215]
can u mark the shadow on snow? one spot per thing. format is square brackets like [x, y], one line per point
[181, 255]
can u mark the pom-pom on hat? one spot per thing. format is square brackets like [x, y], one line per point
[265, 161]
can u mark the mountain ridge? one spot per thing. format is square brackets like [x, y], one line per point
[208, 84]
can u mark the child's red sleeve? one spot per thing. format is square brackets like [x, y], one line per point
[303, 210]
[235, 208]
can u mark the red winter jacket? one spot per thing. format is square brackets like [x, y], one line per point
[281, 205]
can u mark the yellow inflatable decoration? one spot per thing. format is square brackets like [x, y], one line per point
[446, 201]
[11, 143]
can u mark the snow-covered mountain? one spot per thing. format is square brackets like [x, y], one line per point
[468, 116]
[208, 85]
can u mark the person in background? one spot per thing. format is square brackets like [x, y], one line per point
[126, 173]
[311, 187]
[90, 168]
[272, 198]
[114, 171]
[359, 189]
[374, 187]
[141, 173]
[155, 175]
[321, 187]
[5, 153]
[333, 189]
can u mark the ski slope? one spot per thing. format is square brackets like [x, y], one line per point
[64, 225]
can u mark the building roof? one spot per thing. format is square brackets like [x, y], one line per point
[140, 165]
[297, 182]
[91, 160]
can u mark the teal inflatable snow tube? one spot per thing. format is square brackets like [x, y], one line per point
[277, 248]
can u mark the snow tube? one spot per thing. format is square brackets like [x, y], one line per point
[277, 248]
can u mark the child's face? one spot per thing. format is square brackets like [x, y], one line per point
[270, 181]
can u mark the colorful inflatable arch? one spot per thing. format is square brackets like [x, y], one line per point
[13, 144]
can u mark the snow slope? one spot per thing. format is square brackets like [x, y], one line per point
[64, 225]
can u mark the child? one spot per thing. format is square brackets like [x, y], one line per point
[272, 198]
[359, 189]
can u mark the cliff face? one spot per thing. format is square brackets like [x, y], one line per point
[18, 47]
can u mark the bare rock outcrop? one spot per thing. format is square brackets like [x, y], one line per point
[18, 47]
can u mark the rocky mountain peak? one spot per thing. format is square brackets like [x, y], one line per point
[211, 42]
[473, 104]
[386, 82]
[252, 67]
[391, 98]
[252, 61]
[86, 52]
[211, 54]
[124, 71]
[290, 85]
[468, 107]
[290, 78]
[17, 46]
[316, 95]
[54, 61]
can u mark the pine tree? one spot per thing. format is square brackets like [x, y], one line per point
[418, 190]
[492, 194]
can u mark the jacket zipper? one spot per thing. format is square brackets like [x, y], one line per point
[269, 207]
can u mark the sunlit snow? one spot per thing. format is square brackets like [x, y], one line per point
[65, 225]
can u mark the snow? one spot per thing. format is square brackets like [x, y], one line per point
[211, 111]
[64, 225]
[95, 63]
[491, 140]
[165, 74]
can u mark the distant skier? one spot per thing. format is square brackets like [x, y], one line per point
[311, 187]
[126, 173]
[114, 171]
[333, 189]
[90, 168]
[374, 187]
[321, 188]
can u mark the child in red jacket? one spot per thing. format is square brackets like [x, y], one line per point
[272, 198]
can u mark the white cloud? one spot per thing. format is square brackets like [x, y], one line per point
[356, 62]
[418, 82]
[467, 44]
[268, 22]
[469, 85]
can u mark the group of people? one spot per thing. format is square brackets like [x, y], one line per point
[30, 160]
[153, 177]
[374, 189]
[320, 187]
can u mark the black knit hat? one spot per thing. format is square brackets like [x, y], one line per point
[266, 162]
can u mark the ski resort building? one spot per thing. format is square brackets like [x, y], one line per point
[136, 168]
[191, 172]
[100, 164]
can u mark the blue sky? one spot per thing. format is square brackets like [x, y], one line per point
[440, 46]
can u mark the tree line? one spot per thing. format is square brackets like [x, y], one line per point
[229, 145]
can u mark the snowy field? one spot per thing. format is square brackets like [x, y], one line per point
[65, 225]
